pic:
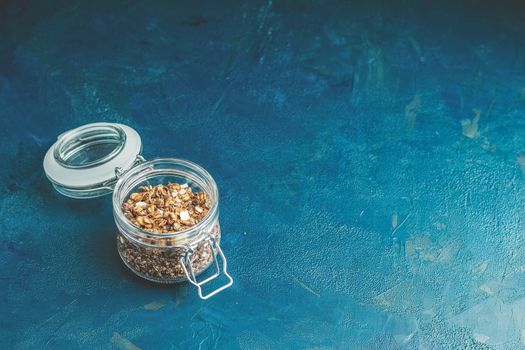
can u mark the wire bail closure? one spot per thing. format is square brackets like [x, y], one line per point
[119, 171]
[191, 274]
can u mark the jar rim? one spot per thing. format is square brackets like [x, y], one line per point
[140, 173]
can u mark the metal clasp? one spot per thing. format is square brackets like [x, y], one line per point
[191, 274]
[119, 171]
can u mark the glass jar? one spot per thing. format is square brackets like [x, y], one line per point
[171, 257]
[100, 158]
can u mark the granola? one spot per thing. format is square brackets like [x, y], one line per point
[165, 209]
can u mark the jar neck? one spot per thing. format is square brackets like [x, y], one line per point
[151, 173]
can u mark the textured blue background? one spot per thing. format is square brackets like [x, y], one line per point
[358, 208]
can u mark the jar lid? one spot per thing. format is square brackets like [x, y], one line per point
[85, 162]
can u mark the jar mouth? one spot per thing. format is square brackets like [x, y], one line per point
[145, 174]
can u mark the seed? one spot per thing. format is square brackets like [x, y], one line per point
[162, 263]
[184, 215]
[135, 196]
[198, 209]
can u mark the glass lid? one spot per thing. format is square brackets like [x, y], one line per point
[84, 162]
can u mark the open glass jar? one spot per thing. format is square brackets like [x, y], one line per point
[100, 158]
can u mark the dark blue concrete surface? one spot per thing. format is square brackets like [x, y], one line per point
[363, 203]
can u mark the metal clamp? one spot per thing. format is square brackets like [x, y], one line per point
[119, 171]
[191, 274]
